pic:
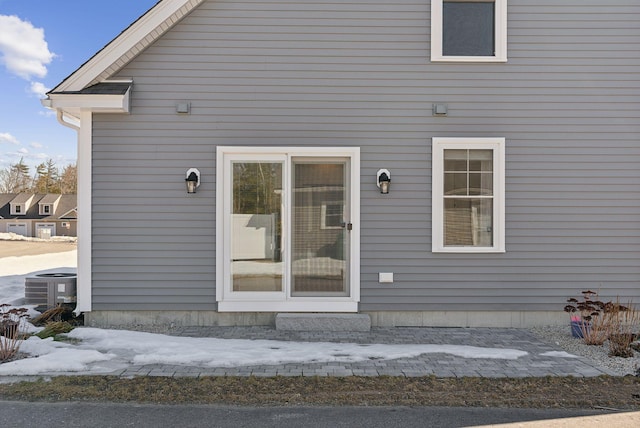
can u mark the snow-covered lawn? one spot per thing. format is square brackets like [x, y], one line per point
[102, 350]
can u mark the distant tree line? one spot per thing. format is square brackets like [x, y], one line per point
[48, 178]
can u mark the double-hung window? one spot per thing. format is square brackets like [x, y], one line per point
[468, 195]
[469, 30]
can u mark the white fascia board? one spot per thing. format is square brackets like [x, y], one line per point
[73, 104]
[121, 45]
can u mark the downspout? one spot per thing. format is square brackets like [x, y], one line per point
[73, 122]
[60, 115]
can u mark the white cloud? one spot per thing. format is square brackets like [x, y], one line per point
[8, 138]
[39, 89]
[47, 113]
[23, 151]
[23, 48]
[36, 145]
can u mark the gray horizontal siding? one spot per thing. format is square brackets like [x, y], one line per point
[357, 73]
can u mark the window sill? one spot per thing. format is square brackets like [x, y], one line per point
[469, 250]
[489, 59]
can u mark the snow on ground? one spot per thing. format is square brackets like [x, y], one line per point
[121, 348]
[15, 237]
[559, 354]
[102, 350]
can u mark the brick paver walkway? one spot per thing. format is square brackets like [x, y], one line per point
[535, 364]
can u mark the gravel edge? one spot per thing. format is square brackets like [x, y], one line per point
[597, 355]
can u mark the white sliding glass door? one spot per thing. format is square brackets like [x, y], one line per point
[287, 229]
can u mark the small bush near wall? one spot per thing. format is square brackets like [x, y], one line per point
[598, 322]
[11, 331]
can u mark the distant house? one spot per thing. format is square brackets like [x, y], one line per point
[37, 215]
[509, 131]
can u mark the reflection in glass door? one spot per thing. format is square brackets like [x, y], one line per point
[319, 228]
[256, 226]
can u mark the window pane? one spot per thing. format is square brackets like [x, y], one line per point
[468, 28]
[256, 229]
[319, 244]
[455, 160]
[480, 160]
[455, 183]
[468, 222]
[481, 184]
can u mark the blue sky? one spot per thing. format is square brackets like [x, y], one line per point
[41, 43]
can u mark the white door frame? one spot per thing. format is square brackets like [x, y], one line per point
[229, 301]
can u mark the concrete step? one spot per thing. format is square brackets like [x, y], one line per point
[323, 322]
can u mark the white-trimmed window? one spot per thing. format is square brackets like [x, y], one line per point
[17, 209]
[468, 195]
[469, 30]
[45, 209]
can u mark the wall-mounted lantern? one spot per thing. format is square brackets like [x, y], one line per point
[192, 180]
[383, 180]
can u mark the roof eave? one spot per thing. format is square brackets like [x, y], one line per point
[72, 104]
[164, 15]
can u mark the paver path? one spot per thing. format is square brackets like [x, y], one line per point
[534, 364]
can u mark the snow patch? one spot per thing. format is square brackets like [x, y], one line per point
[16, 237]
[558, 354]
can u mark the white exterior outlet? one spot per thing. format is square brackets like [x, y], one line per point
[385, 277]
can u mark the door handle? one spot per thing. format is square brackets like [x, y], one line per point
[348, 226]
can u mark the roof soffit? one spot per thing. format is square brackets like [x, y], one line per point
[131, 42]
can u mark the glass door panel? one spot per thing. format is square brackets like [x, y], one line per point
[256, 226]
[319, 228]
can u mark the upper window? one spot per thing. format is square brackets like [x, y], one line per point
[16, 209]
[468, 195]
[45, 209]
[469, 30]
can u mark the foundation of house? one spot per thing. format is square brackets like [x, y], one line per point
[502, 319]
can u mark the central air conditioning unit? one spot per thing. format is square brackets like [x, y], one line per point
[48, 290]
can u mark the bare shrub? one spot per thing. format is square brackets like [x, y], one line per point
[590, 313]
[11, 331]
[624, 324]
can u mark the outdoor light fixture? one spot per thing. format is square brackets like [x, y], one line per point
[192, 180]
[384, 180]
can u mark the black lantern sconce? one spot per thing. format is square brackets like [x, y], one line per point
[192, 180]
[383, 180]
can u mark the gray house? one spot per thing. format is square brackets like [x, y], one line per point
[437, 163]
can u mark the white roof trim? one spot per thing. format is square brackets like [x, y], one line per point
[128, 44]
[98, 103]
